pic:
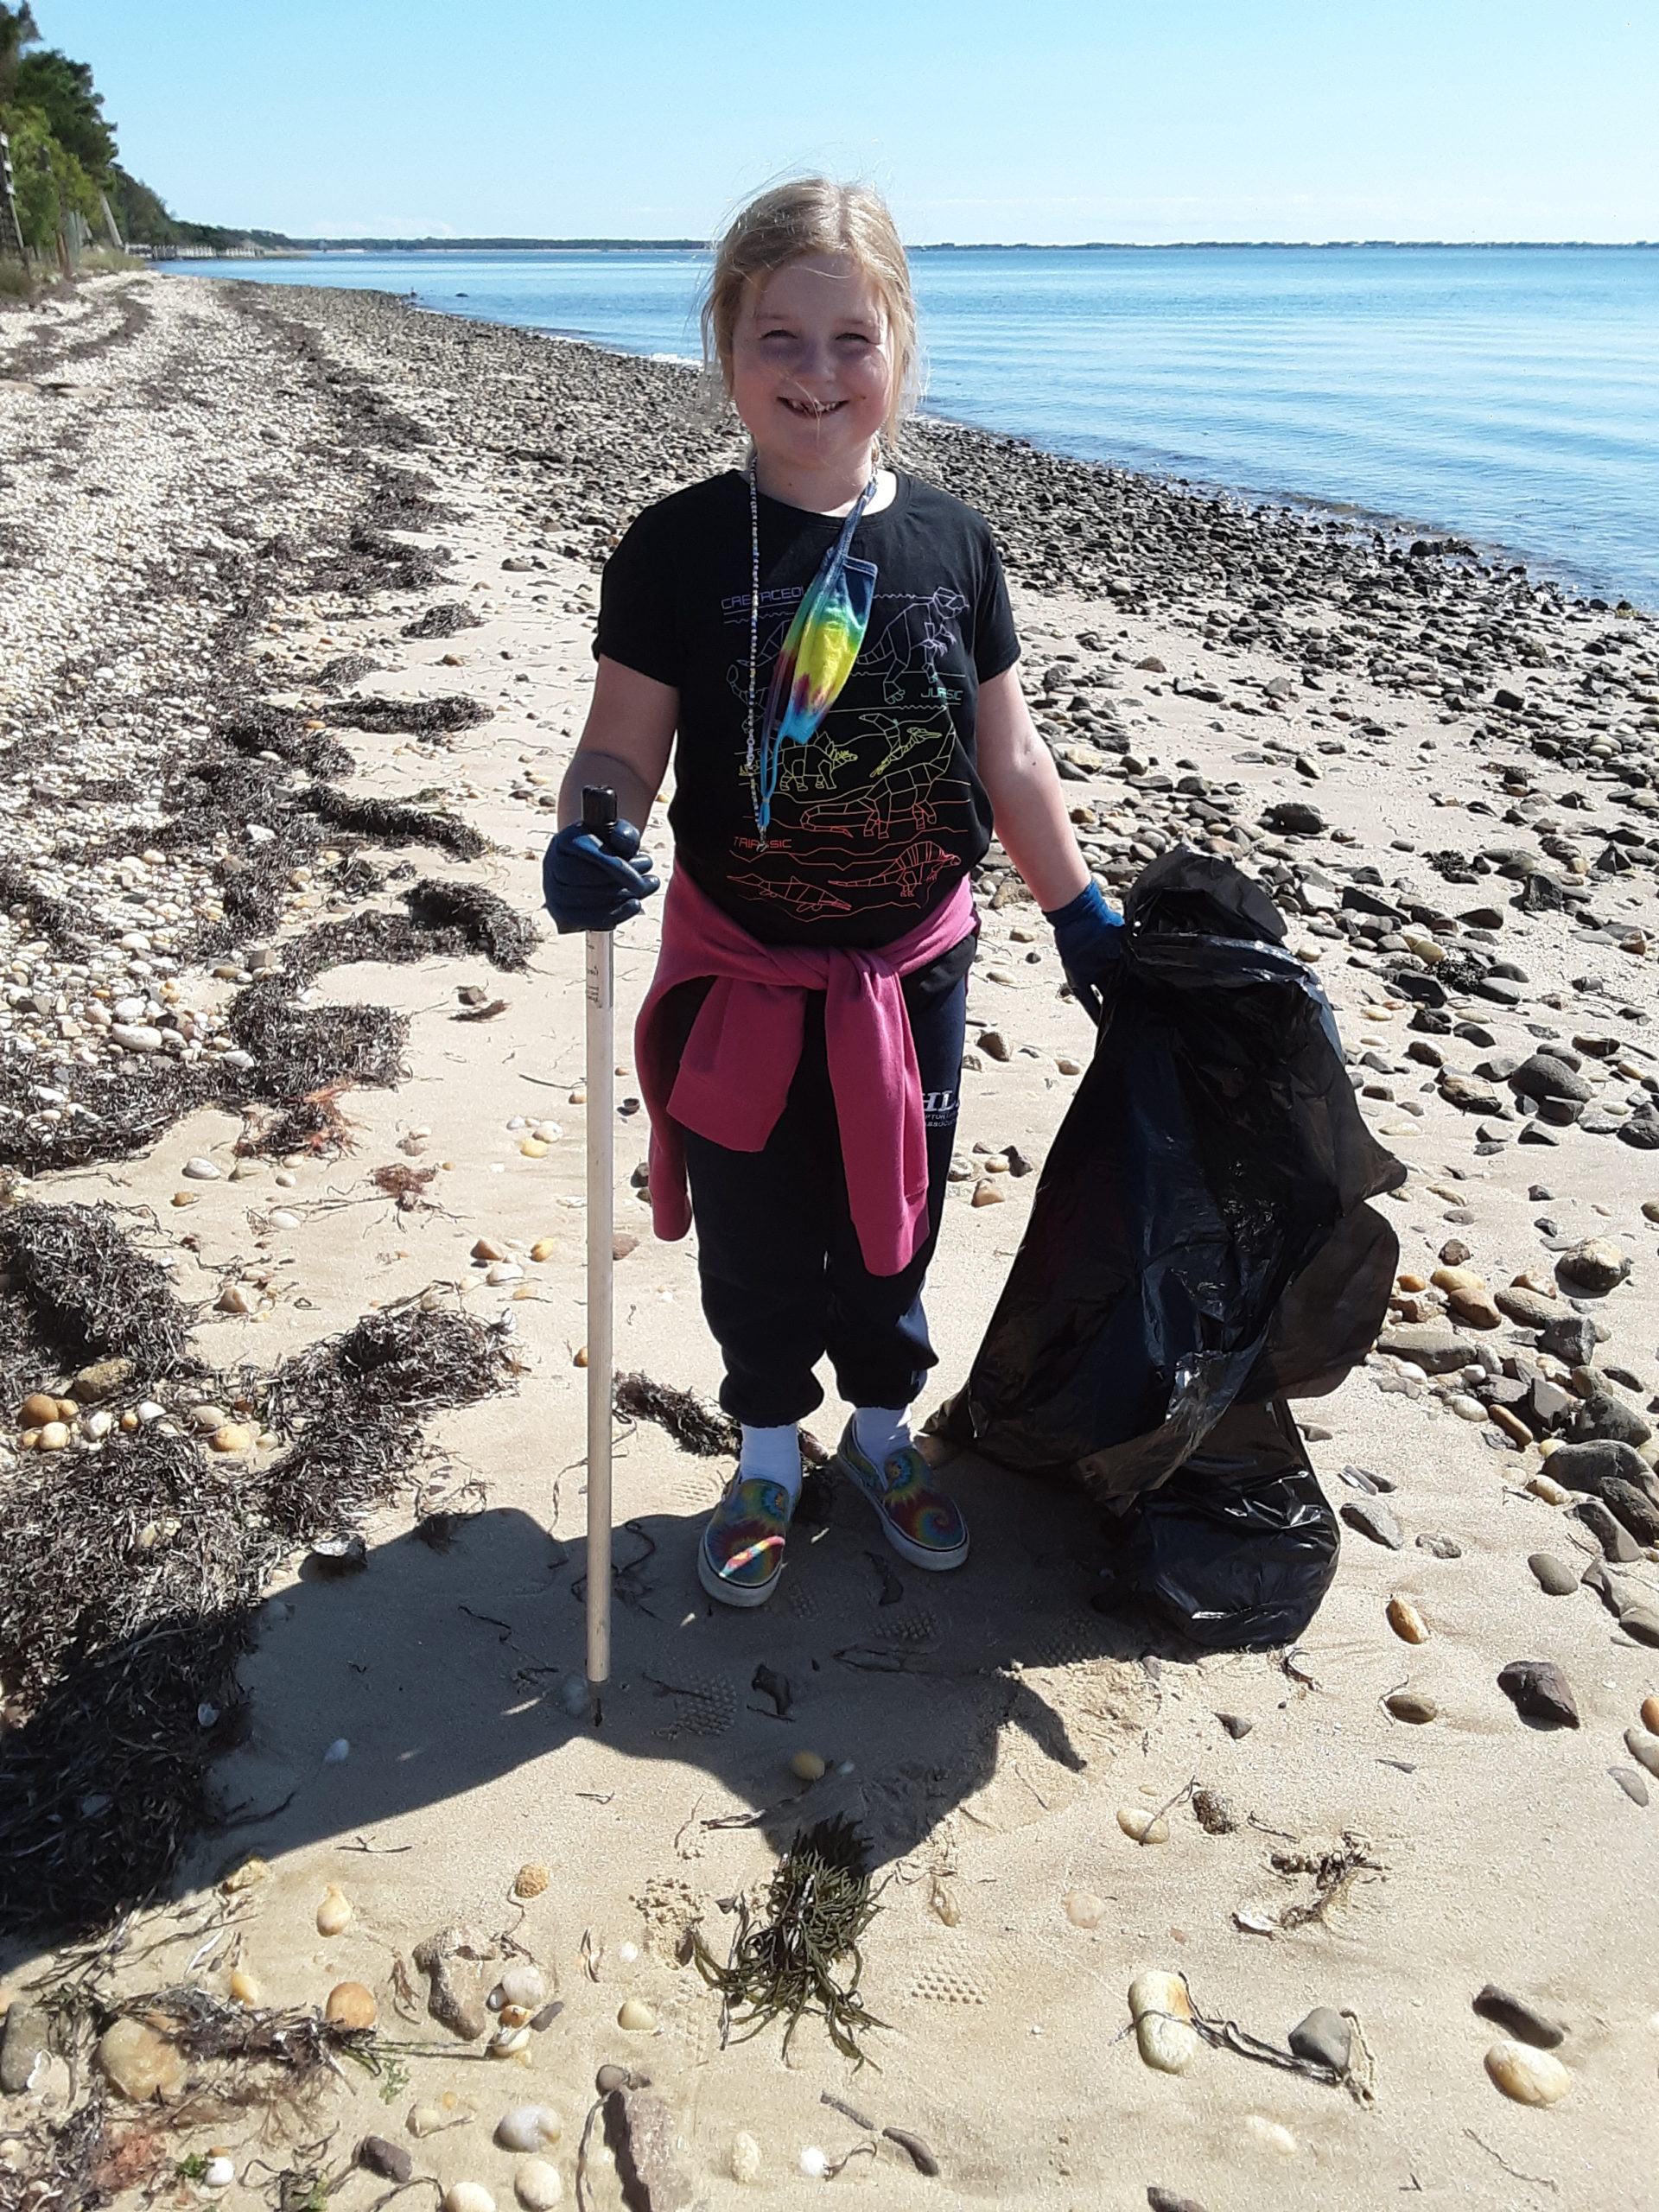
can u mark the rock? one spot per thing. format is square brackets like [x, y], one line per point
[1605, 1418]
[1650, 1710]
[1554, 1577]
[531, 1880]
[642, 2132]
[136, 1037]
[1632, 1784]
[219, 2172]
[1570, 1337]
[1592, 1464]
[390, 2160]
[201, 1170]
[636, 2017]
[1517, 2018]
[1141, 1826]
[54, 1436]
[487, 1249]
[27, 2039]
[37, 1409]
[1271, 2134]
[1477, 1307]
[524, 1984]
[1644, 1749]
[232, 1437]
[1615, 1541]
[1526, 1309]
[529, 2127]
[1634, 1507]
[1236, 1725]
[1540, 1077]
[987, 1194]
[537, 2185]
[467, 2196]
[1540, 1691]
[1162, 2012]
[1434, 1346]
[1468, 1093]
[1531, 2077]
[808, 1766]
[745, 2158]
[334, 1913]
[1641, 1624]
[1414, 1705]
[1595, 1265]
[247, 1876]
[1213, 1814]
[1167, 2200]
[1293, 817]
[543, 1248]
[1439, 1547]
[102, 1380]
[502, 1271]
[1082, 1908]
[1373, 1519]
[244, 1987]
[1407, 1621]
[235, 1298]
[456, 1992]
[351, 2005]
[1326, 2038]
[140, 2063]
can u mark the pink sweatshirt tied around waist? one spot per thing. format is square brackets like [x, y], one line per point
[732, 1079]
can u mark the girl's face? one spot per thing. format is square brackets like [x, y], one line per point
[810, 370]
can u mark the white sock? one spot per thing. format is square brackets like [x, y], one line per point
[879, 1430]
[772, 1455]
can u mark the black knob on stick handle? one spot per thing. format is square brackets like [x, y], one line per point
[597, 806]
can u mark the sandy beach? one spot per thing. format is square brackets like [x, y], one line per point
[296, 598]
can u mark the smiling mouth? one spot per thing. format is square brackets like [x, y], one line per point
[812, 410]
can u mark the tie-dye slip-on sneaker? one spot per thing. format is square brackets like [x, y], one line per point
[740, 1556]
[922, 1524]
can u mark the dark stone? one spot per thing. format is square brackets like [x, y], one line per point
[1615, 1541]
[1434, 1346]
[1560, 1113]
[1324, 2037]
[1540, 1691]
[1641, 1624]
[1374, 1520]
[1594, 1266]
[1604, 1417]
[1469, 1093]
[1535, 1133]
[28, 2033]
[1640, 1130]
[1592, 1466]
[1518, 2019]
[1431, 1021]
[1633, 1508]
[1169, 2200]
[1367, 1479]
[1236, 1725]
[1293, 817]
[1475, 1033]
[1500, 990]
[1527, 1309]
[1549, 1406]
[390, 2160]
[1511, 700]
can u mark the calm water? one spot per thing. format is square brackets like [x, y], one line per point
[1509, 394]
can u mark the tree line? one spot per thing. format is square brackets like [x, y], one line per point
[63, 156]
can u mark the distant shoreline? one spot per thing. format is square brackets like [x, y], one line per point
[952, 245]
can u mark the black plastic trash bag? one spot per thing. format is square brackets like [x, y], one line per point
[1201, 1238]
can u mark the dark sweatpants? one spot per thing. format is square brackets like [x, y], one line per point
[783, 1281]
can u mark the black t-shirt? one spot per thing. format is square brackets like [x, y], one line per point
[876, 821]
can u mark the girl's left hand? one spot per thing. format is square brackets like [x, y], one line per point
[1089, 937]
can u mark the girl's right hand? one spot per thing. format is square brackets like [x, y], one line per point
[593, 879]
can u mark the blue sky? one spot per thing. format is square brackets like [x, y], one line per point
[1046, 120]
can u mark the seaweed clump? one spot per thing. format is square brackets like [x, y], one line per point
[694, 1423]
[444, 620]
[391, 823]
[817, 1909]
[437, 718]
[80, 1291]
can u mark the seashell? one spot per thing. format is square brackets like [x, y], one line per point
[1644, 1749]
[1256, 1920]
[543, 1248]
[531, 1879]
[334, 1913]
[529, 2127]
[745, 2158]
[467, 2196]
[1271, 2135]
[1082, 1908]
[515, 2016]
[1531, 2077]
[537, 2186]
[508, 2043]
[524, 1984]
[244, 1987]
[219, 2172]
[426, 2119]
[350, 2006]
[1407, 1621]
[637, 2016]
[247, 1876]
[1163, 2021]
[1141, 1826]
[807, 1766]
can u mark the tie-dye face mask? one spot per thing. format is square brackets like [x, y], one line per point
[817, 654]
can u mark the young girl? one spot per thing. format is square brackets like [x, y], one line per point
[830, 642]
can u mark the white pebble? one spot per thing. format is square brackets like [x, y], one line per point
[338, 1750]
[537, 2185]
[529, 2127]
[217, 2173]
[1531, 2077]
[1271, 2135]
[746, 2158]
[1084, 1909]
[467, 2196]
[202, 1171]
[815, 2163]
[523, 1984]
[504, 1271]
[1162, 2012]
[282, 1219]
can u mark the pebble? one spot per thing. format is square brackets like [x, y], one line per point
[235, 1298]
[245, 1988]
[351, 2005]
[504, 1271]
[508, 2039]
[201, 1170]
[1169, 2200]
[1506, 2011]
[537, 2185]
[467, 2196]
[1538, 1690]
[1324, 2037]
[219, 2172]
[744, 2157]
[1546, 1488]
[543, 1248]
[1084, 1909]
[1650, 1715]
[1554, 1577]
[529, 2127]
[1407, 1621]
[987, 1193]
[390, 2160]
[1531, 2077]
[523, 1984]
[1415, 1706]
[808, 1766]
[1142, 1826]
[54, 1436]
[1632, 1784]
[636, 2016]
[1644, 1749]
[1595, 1265]
[487, 1249]
[334, 1913]
[1270, 2134]
[1439, 1547]
[1373, 1519]
[1162, 2012]
[37, 1409]
[1236, 1725]
[139, 2062]
[232, 1437]
[26, 2038]
[531, 1879]
[282, 1218]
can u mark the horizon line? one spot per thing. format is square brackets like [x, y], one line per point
[502, 243]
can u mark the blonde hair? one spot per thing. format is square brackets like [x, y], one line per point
[808, 215]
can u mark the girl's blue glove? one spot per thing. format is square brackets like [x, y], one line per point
[593, 879]
[1089, 937]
